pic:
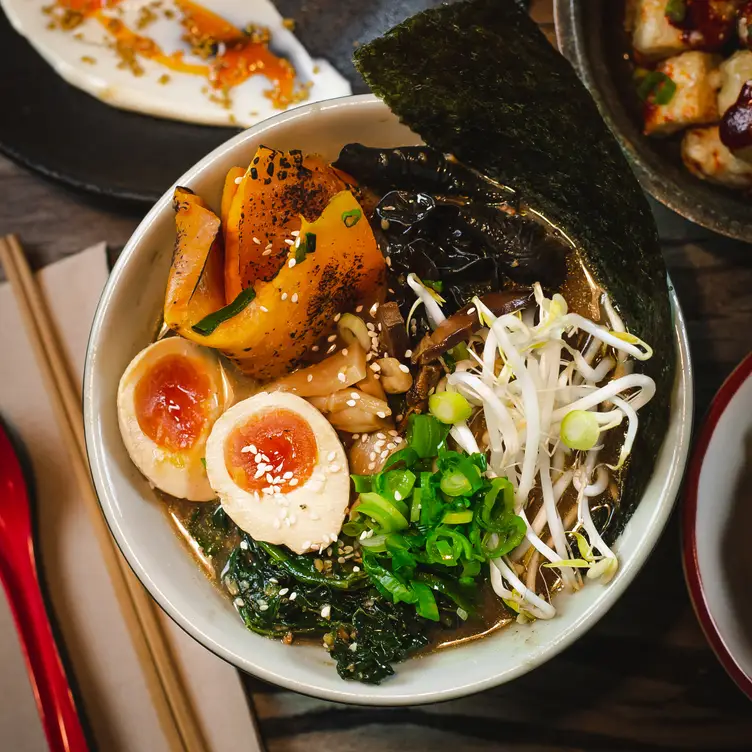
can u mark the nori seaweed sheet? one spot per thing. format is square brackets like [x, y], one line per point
[479, 80]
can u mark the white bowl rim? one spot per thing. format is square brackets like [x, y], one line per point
[349, 692]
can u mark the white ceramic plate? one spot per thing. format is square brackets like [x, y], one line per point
[125, 322]
[184, 96]
[717, 522]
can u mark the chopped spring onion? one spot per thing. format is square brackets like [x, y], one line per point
[415, 506]
[384, 512]
[362, 483]
[209, 323]
[457, 518]
[580, 429]
[395, 485]
[449, 407]
[425, 435]
[375, 543]
[455, 483]
[353, 329]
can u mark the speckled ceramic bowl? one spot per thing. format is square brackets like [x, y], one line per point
[125, 322]
[590, 34]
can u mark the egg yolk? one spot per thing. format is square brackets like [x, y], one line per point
[169, 402]
[275, 449]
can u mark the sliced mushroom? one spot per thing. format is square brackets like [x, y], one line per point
[392, 335]
[459, 326]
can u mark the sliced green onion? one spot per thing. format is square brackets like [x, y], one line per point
[209, 323]
[426, 603]
[455, 483]
[495, 510]
[676, 10]
[580, 430]
[656, 88]
[446, 546]
[352, 217]
[449, 407]
[415, 506]
[437, 284]
[362, 483]
[460, 352]
[203, 462]
[425, 435]
[354, 528]
[386, 515]
[407, 456]
[374, 543]
[457, 518]
[353, 329]
[395, 484]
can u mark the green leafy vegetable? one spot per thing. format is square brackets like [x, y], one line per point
[209, 323]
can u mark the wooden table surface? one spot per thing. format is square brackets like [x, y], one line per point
[642, 678]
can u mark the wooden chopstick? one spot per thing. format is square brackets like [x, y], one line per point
[166, 688]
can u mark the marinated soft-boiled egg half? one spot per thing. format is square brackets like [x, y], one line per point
[168, 399]
[280, 471]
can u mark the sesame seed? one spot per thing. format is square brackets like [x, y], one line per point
[309, 378]
[380, 435]
[293, 596]
[356, 568]
[291, 263]
[370, 327]
[239, 602]
[404, 368]
[359, 309]
[269, 478]
[244, 545]
[391, 446]
[354, 395]
[263, 607]
[384, 454]
[364, 438]
[375, 367]
[381, 414]
[388, 260]
[288, 475]
[341, 376]
[238, 181]
[399, 417]
[264, 309]
[372, 456]
[259, 472]
[294, 299]
[295, 233]
[326, 612]
[297, 243]
[256, 241]
[331, 456]
[345, 351]
[371, 465]
[351, 403]
[334, 468]
[288, 241]
[269, 245]
[379, 445]
[408, 353]
[284, 296]
[374, 308]
[397, 496]
[331, 349]
[293, 481]
[331, 338]
[258, 459]
[284, 591]
[267, 252]
[337, 317]
[340, 560]
[471, 310]
[315, 348]
[355, 436]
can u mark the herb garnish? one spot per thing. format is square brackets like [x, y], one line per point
[209, 323]
[656, 87]
[351, 218]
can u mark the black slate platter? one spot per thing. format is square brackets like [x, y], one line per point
[67, 135]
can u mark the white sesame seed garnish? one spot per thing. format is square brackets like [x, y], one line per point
[404, 368]
[297, 243]
[345, 351]
[371, 465]
[388, 260]
[294, 299]
[384, 454]
[351, 403]
[337, 317]
[284, 296]
[331, 456]
[354, 395]
[397, 496]
[379, 445]
[391, 446]
[364, 438]
[264, 309]
[331, 349]
[326, 612]
[284, 591]
[408, 353]
[259, 472]
[341, 376]
[293, 481]
[370, 327]
[355, 436]
[375, 367]
[267, 252]
[239, 180]
[244, 545]
[359, 309]
[263, 607]
[356, 568]
[400, 416]
[288, 475]
[291, 263]
[331, 338]
[374, 308]
[258, 459]
[293, 596]
[269, 478]
[334, 468]
[295, 233]
[289, 241]
[381, 414]
[372, 456]
[309, 378]
[380, 435]
[257, 241]
[239, 602]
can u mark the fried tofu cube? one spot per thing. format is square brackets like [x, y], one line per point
[735, 72]
[706, 157]
[653, 36]
[695, 100]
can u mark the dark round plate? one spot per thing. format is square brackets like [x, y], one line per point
[69, 136]
[591, 36]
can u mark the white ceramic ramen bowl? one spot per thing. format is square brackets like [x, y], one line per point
[125, 322]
